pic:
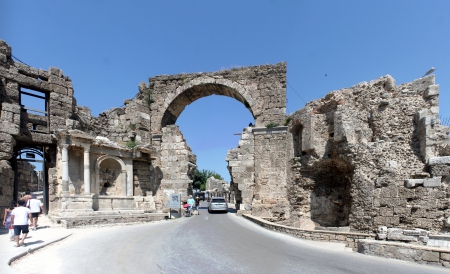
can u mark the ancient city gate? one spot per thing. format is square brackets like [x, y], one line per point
[262, 89]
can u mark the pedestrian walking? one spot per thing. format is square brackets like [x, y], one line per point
[35, 207]
[7, 219]
[197, 202]
[19, 218]
[27, 195]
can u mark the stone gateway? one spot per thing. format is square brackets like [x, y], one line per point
[364, 157]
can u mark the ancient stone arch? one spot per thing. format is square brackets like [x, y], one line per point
[262, 89]
[189, 93]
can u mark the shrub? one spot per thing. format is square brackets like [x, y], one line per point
[286, 122]
[131, 144]
[271, 125]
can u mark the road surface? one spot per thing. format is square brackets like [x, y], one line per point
[207, 243]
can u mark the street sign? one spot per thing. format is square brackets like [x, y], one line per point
[175, 200]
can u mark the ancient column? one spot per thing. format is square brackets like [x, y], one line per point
[65, 169]
[87, 172]
[129, 184]
[124, 182]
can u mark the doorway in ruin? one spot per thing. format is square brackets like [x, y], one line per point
[330, 199]
[30, 164]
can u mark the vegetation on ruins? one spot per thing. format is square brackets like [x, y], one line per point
[132, 126]
[131, 144]
[148, 98]
[200, 178]
[271, 125]
[286, 122]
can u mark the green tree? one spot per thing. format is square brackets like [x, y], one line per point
[200, 178]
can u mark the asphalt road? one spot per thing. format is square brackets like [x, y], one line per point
[207, 243]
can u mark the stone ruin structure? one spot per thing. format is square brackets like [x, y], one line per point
[363, 157]
[219, 188]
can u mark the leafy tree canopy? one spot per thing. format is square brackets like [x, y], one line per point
[200, 178]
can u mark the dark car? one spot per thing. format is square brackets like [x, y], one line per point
[201, 195]
[218, 204]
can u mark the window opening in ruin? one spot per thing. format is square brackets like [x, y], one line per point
[33, 101]
[34, 106]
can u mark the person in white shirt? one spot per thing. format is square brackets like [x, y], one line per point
[19, 218]
[35, 206]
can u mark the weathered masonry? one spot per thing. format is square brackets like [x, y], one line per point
[369, 156]
[364, 157]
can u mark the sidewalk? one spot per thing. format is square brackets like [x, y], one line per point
[46, 233]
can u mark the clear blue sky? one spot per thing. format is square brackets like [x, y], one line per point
[108, 47]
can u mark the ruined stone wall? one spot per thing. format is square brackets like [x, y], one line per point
[270, 173]
[128, 125]
[142, 179]
[6, 185]
[262, 89]
[177, 164]
[217, 188]
[359, 148]
[20, 127]
[27, 177]
[241, 165]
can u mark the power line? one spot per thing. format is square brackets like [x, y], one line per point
[296, 92]
[17, 59]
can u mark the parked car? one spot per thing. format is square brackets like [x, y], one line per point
[200, 195]
[218, 204]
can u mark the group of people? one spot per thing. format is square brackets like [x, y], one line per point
[22, 216]
[193, 203]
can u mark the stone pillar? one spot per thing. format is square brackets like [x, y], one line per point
[87, 172]
[123, 176]
[65, 169]
[129, 182]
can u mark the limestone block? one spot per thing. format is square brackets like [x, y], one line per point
[401, 237]
[421, 84]
[14, 108]
[410, 183]
[444, 160]
[432, 182]
[432, 90]
[247, 194]
[447, 222]
[430, 256]
[122, 203]
[339, 130]
[381, 236]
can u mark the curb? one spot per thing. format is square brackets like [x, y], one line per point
[31, 250]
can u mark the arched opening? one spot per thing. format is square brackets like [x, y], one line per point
[31, 172]
[111, 176]
[330, 199]
[110, 182]
[194, 93]
[297, 131]
[212, 126]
